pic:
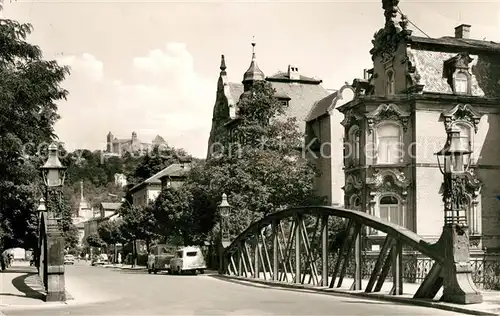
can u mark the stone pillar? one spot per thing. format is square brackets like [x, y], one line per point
[459, 287]
[55, 265]
[55, 283]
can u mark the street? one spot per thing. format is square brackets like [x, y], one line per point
[108, 291]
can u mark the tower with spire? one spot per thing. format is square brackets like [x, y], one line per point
[253, 72]
[84, 210]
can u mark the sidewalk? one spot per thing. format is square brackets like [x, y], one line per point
[490, 305]
[21, 285]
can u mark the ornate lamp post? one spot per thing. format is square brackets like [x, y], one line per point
[458, 184]
[52, 262]
[224, 209]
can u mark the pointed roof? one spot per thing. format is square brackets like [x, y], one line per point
[253, 73]
[222, 66]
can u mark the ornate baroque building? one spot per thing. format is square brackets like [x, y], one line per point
[418, 89]
[299, 92]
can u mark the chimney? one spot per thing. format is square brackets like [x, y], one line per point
[293, 72]
[366, 76]
[462, 31]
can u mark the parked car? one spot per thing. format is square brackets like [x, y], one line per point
[188, 259]
[97, 260]
[69, 259]
[159, 258]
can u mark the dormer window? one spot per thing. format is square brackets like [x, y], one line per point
[390, 82]
[456, 71]
[461, 82]
[283, 100]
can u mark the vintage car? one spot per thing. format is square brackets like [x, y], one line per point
[159, 258]
[188, 259]
[69, 259]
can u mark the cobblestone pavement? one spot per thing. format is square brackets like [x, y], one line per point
[109, 291]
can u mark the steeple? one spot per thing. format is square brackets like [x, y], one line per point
[253, 73]
[222, 66]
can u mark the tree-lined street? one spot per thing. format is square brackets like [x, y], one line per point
[107, 291]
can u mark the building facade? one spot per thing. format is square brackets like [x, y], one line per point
[418, 89]
[325, 144]
[147, 191]
[120, 180]
[297, 91]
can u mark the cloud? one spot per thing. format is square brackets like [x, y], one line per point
[85, 65]
[160, 93]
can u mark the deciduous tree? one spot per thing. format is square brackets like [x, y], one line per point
[261, 167]
[29, 90]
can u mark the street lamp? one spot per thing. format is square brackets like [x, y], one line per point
[455, 199]
[224, 209]
[459, 183]
[53, 170]
[51, 262]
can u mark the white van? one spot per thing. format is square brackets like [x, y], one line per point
[188, 259]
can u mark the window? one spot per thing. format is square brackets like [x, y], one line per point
[354, 137]
[191, 253]
[461, 83]
[180, 254]
[390, 82]
[283, 101]
[465, 139]
[388, 144]
[390, 210]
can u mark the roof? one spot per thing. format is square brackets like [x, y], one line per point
[283, 76]
[428, 55]
[253, 72]
[172, 170]
[111, 205]
[321, 107]
[175, 170]
[459, 43]
[302, 97]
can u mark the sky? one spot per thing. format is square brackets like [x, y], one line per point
[152, 66]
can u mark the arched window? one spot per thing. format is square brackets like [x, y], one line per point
[390, 210]
[390, 82]
[354, 137]
[461, 83]
[389, 144]
[465, 138]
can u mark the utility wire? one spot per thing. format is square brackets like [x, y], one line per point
[414, 25]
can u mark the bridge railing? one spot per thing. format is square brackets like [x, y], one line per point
[335, 247]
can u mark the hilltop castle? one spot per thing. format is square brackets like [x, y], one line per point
[117, 147]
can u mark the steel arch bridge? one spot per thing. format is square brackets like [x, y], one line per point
[302, 245]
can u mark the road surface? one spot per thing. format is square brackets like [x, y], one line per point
[105, 291]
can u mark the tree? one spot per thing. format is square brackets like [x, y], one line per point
[94, 241]
[179, 219]
[157, 159]
[29, 90]
[262, 170]
[138, 223]
[110, 231]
